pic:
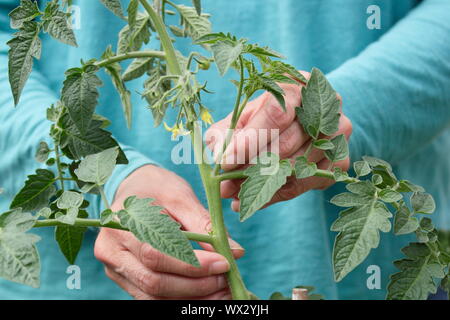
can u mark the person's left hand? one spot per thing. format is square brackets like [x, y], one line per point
[266, 113]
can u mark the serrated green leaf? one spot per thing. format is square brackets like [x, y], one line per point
[148, 224]
[76, 145]
[377, 179]
[137, 68]
[404, 222]
[407, 186]
[27, 11]
[423, 203]
[304, 169]
[97, 168]
[273, 88]
[45, 212]
[19, 259]
[24, 46]
[58, 27]
[389, 195]
[106, 216]
[340, 175]
[133, 39]
[195, 25]
[415, 281]
[69, 199]
[320, 106]
[198, 6]
[70, 239]
[42, 152]
[68, 217]
[132, 11]
[363, 188]
[262, 51]
[323, 144]
[80, 96]
[426, 224]
[359, 229]
[37, 191]
[348, 199]
[225, 54]
[340, 150]
[361, 168]
[375, 163]
[114, 6]
[114, 71]
[264, 180]
[17, 221]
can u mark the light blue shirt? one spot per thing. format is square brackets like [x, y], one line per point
[395, 84]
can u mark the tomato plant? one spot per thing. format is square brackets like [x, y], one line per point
[84, 153]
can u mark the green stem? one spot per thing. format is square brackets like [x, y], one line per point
[103, 196]
[220, 236]
[166, 41]
[58, 166]
[212, 187]
[235, 116]
[131, 55]
[79, 222]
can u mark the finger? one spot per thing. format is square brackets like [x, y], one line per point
[215, 135]
[164, 284]
[138, 294]
[211, 263]
[126, 285]
[263, 126]
[289, 141]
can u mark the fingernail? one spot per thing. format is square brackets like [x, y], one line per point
[226, 297]
[219, 267]
[234, 245]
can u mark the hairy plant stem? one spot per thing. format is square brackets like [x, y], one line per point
[219, 232]
[131, 55]
[166, 41]
[235, 116]
[58, 166]
[80, 222]
[240, 174]
[212, 187]
[103, 196]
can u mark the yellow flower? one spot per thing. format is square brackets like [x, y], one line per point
[206, 116]
[177, 130]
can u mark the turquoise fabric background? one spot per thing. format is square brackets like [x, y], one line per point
[395, 86]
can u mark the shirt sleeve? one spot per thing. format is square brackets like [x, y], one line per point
[24, 126]
[397, 91]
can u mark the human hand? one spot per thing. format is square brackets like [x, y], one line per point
[265, 113]
[146, 273]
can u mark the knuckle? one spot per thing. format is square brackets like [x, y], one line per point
[149, 283]
[276, 116]
[150, 257]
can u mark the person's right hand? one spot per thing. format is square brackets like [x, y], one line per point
[144, 272]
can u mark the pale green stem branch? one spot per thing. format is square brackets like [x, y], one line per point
[131, 55]
[79, 222]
